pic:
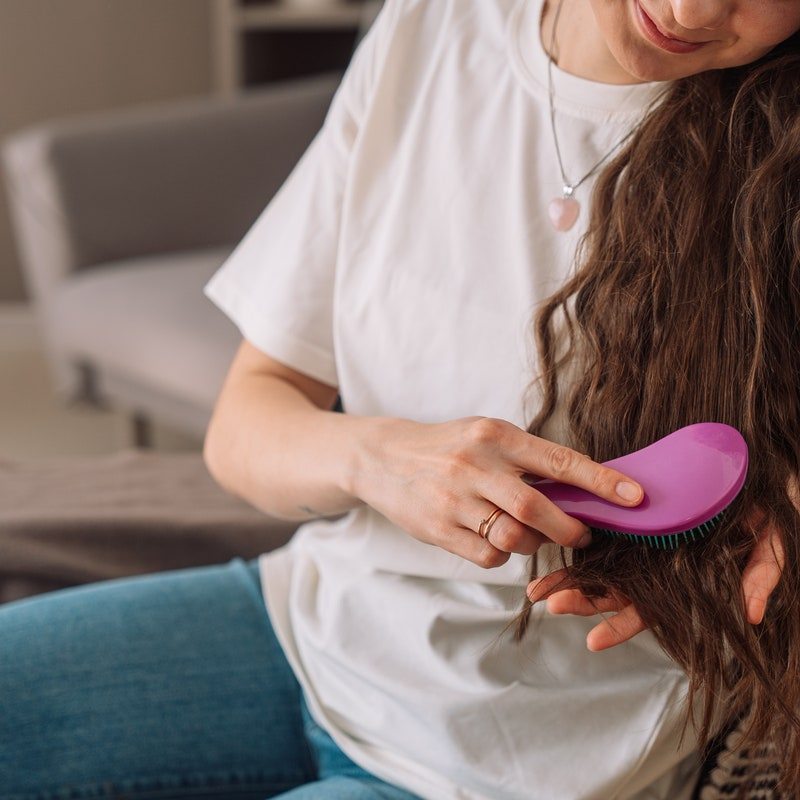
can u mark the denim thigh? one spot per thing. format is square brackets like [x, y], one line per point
[169, 684]
[166, 685]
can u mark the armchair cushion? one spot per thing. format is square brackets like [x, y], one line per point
[147, 321]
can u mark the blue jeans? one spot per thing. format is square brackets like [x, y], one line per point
[166, 685]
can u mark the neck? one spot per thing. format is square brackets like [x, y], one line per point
[580, 47]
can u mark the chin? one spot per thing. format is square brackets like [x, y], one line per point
[637, 57]
[645, 64]
[648, 69]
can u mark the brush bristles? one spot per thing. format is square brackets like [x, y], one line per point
[667, 541]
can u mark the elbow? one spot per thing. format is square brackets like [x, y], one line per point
[207, 455]
[217, 457]
[210, 454]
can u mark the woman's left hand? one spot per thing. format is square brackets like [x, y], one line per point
[760, 577]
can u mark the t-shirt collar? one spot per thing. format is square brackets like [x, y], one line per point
[571, 93]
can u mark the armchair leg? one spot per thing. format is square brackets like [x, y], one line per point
[86, 390]
[142, 428]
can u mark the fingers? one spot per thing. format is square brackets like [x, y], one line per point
[763, 571]
[487, 443]
[615, 630]
[563, 598]
[759, 578]
[467, 544]
[511, 536]
[551, 460]
[539, 588]
[532, 509]
[574, 601]
[505, 533]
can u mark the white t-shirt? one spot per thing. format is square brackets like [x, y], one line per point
[401, 261]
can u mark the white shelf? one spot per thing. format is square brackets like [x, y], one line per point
[345, 15]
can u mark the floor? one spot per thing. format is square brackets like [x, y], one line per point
[34, 424]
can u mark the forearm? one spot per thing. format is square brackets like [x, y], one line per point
[270, 445]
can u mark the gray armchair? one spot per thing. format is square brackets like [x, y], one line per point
[121, 218]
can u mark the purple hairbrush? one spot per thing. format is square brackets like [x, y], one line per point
[689, 479]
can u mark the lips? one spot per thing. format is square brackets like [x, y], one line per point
[665, 33]
[661, 39]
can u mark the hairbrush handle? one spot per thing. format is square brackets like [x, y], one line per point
[688, 477]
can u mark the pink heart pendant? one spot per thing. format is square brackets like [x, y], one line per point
[563, 212]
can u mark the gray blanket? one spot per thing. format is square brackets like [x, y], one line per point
[67, 521]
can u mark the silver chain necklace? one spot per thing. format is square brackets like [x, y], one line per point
[563, 211]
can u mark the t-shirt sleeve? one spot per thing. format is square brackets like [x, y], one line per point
[277, 285]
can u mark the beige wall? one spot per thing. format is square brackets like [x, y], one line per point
[64, 57]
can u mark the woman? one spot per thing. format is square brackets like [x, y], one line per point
[399, 265]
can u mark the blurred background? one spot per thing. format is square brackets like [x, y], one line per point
[139, 141]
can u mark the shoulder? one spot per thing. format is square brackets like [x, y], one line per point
[441, 15]
[420, 31]
[418, 47]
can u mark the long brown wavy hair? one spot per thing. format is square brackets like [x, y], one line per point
[687, 309]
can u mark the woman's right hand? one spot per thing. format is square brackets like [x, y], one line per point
[437, 481]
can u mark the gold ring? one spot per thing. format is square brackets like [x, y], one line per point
[486, 524]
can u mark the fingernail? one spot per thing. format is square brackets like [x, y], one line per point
[585, 540]
[628, 491]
